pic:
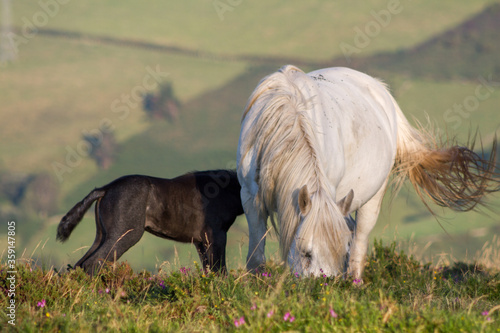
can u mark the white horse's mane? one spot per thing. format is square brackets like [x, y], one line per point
[287, 159]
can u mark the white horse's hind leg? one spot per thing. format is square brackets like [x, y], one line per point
[257, 228]
[366, 217]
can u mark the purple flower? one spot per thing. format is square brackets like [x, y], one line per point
[41, 304]
[288, 317]
[333, 314]
[240, 321]
[485, 313]
[185, 270]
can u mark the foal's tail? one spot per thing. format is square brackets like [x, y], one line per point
[450, 175]
[75, 215]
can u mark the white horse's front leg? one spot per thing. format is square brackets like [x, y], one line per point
[257, 229]
[366, 217]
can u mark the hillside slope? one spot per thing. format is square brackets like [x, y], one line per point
[467, 51]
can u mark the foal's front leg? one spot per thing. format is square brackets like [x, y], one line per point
[212, 251]
[257, 228]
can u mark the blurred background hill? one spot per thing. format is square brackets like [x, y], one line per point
[90, 91]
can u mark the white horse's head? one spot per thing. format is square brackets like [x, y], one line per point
[317, 246]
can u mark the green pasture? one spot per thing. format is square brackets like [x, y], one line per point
[311, 30]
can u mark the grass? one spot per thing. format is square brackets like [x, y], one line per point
[398, 294]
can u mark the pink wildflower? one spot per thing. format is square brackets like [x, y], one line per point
[240, 321]
[288, 317]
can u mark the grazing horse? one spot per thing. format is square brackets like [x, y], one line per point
[197, 208]
[316, 147]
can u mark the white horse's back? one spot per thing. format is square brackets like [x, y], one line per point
[363, 117]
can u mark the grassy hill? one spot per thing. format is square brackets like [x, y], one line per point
[312, 29]
[467, 51]
[61, 87]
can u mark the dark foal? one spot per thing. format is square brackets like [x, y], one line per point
[196, 208]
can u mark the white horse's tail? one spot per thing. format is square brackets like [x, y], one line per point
[450, 175]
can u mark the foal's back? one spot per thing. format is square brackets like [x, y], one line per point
[185, 207]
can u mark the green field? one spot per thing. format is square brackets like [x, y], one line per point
[59, 88]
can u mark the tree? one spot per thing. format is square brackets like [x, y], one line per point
[41, 195]
[13, 186]
[162, 105]
[29, 193]
[103, 149]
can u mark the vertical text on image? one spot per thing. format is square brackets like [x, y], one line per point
[11, 272]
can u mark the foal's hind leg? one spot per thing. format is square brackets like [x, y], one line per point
[98, 237]
[113, 247]
[366, 217]
[120, 231]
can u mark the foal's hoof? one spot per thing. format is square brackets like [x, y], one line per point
[257, 269]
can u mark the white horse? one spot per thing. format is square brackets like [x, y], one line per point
[316, 147]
